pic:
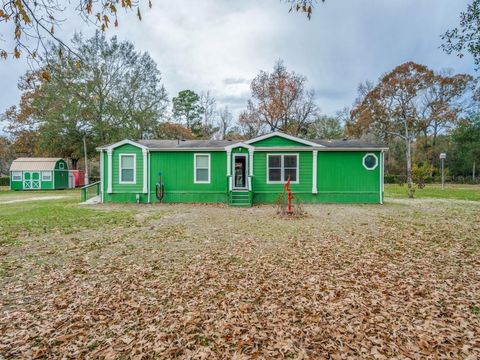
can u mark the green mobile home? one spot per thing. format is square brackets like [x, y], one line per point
[241, 172]
[38, 174]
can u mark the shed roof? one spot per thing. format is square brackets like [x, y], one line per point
[38, 164]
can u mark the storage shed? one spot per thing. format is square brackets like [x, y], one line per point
[38, 174]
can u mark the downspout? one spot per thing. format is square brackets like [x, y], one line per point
[102, 174]
[148, 177]
[110, 169]
[382, 169]
[314, 171]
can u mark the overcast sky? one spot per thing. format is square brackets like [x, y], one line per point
[220, 45]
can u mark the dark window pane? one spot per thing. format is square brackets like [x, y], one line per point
[127, 174]
[292, 173]
[370, 161]
[274, 161]
[274, 175]
[290, 161]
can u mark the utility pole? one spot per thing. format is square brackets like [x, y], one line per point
[86, 159]
[443, 156]
[473, 172]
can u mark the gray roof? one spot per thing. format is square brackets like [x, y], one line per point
[172, 144]
[347, 144]
[188, 144]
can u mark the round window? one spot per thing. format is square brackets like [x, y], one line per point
[370, 161]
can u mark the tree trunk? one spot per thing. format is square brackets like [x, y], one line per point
[409, 168]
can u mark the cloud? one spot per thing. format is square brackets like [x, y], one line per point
[220, 45]
[236, 81]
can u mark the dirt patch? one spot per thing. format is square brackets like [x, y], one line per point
[33, 198]
[190, 281]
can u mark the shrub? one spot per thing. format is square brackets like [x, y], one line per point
[421, 174]
[5, 181]
[389, 179]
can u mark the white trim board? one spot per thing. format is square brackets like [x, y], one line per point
[237, 145]
[120, 143]
[376, 161]
[246, 156]
[285, 136]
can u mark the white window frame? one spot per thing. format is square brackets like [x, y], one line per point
[16, 173]
[61, 166]
[120, 181]
[44, 173]
[282, 169]
[195, 181]
[376, 161]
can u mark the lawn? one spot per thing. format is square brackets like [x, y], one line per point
[451, 191]
[194, 281]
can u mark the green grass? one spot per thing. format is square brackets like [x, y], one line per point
[61, 216]
[457, 192]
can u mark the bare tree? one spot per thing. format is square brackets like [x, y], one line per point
[209, 105]
[281, 101]
[304, 113]
[250, 123]
[225, 121]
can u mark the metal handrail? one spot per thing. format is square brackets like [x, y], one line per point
[84, 190]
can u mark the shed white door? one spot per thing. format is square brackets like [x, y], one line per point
[27, 181]
[31, 180]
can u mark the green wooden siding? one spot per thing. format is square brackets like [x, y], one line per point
[16, 185]
[137, 187]
[124, 192]
[177, 170]
[268, 193]
[61, 175]
[276, 141]
[341, 177]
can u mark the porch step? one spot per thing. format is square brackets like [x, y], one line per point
[240, 198]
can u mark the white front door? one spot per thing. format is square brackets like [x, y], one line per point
[240, 177]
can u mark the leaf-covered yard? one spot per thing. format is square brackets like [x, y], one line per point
[189, 281]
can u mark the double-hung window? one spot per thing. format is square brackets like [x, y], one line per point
[201, 164]
[281, 167]
[16, 176]
[46, 176]
[127, 169]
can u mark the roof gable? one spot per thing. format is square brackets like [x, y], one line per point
[120, 143]
[280, 139]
